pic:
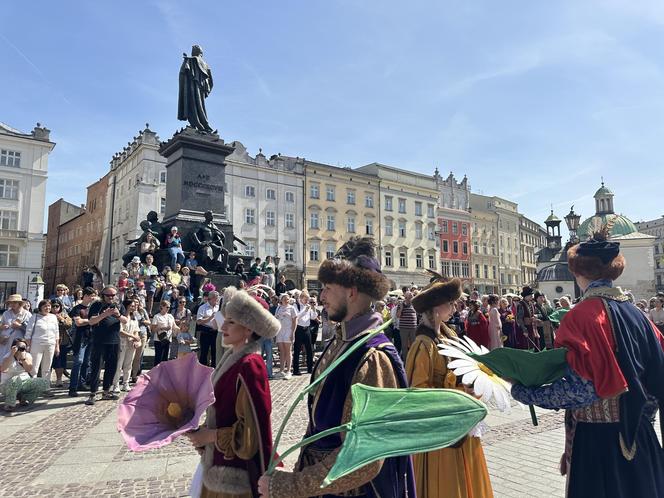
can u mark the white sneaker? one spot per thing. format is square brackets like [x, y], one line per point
[126, 388]
[116, 390]
[288, 375]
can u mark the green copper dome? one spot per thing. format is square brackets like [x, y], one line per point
[603, 191]
[552, 217]
[621, 226]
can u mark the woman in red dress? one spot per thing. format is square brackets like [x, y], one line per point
[477, 325]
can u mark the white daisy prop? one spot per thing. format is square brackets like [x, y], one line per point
[490, 388]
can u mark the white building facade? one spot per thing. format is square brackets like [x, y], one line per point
[265, 204]
[136, 186]
[23, 174]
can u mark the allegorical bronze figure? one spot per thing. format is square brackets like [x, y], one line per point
[195, 86]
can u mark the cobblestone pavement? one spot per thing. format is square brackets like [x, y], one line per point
[64, 448]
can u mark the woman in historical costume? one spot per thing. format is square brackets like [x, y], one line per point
[614, 384]
[507, 321]
[477, 325]
[459, 471]
[495, 323]
[236, 440]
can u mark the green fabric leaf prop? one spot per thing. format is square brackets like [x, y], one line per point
[526, 367]
[394, 422]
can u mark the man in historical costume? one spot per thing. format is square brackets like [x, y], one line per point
[527, 336]
[542, 320]
[614, 384]
[459, 471]
[351, 281]
[195, 86]
[236, 440]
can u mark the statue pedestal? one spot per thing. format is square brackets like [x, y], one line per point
[195, 182]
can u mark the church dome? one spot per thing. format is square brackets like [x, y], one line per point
[603, 190]
[621, 225]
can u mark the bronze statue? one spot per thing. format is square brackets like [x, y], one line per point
[208, 242]
[148, 242]
[195, 86]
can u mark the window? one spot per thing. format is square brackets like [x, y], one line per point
[290, 197]
[430, 213]
[271, 194]
[350, 224]
[388, 258]
[7, 289]
[465, 270]
[329, 193]
[402, 260]
[388, 203]
[432, 262]
[289, 251]
[313, 251]
[350, 196]
[250, 216]
[402, 229]
[313, 221]
[486, 271]
[368, 201]
[290, 220]
[477, 271]
[476, 248]
[8, 189]
[455, 228]
[443, 226]
[418, 261]
[464, 248]
[456, 269]
[10, 158]
[250, 249]
[494, 272]
[162, 177]
[8, 255]
[431, 232]
[330, 222]
[455, 247]
[418, 209]
[368, 224]
[402, 205]
[418, 230]
[389, 229]
[446, 246]
[314, 191]
[162, 205]
[464, 229]
[331, 250]
[270, 218]
[249, 191]
[270, 248]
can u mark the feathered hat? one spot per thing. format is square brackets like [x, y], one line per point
[598, 245]
[355, 265]
[439, 291]
[247, 310]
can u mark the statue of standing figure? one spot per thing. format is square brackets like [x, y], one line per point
[208, 241]
[195, 86]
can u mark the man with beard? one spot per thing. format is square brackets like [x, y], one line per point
[351, 280]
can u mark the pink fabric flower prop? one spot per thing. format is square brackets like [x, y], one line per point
[166, 402]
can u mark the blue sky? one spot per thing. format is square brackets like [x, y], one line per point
[534, 101]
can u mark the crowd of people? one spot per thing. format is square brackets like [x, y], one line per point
[235, 331]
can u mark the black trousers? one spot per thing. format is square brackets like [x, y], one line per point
[160, 351]
[109, 354]
[302, 338]
[208, 343]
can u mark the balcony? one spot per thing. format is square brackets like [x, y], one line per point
[13, 234]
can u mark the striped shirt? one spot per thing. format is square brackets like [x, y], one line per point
[408, 319]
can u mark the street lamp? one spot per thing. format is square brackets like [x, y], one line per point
[572, 220]
[36, 285]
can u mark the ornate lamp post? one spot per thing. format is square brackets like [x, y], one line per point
[36, 290]
[572, 220]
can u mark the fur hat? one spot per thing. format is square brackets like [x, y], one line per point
[355, 265]
[527, 291]
[441, 290]
[245, 309]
